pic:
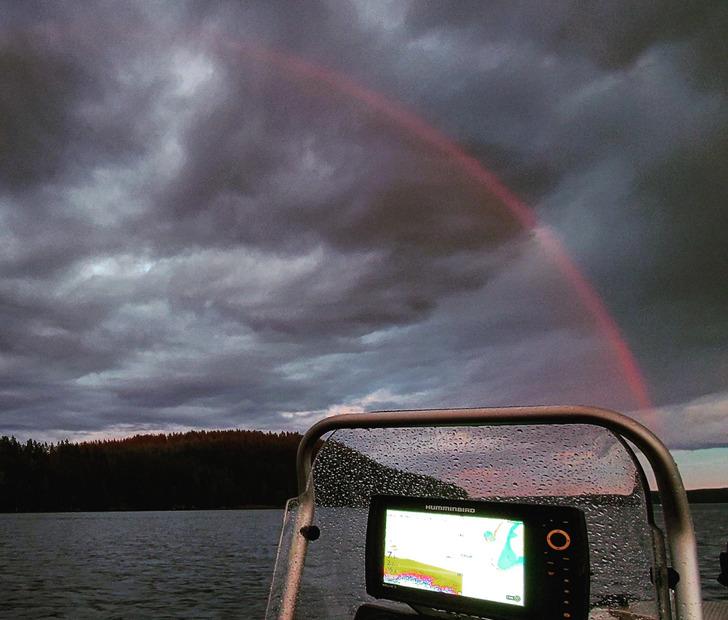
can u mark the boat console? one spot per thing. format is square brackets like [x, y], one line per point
[518, 513]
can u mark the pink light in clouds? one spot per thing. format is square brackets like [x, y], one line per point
[486, 179]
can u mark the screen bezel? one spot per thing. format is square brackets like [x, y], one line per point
[534, 570]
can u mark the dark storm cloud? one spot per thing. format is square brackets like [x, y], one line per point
[618, 134]
[35, 96]
[312, 165]
[61, 109]
[395, 231]
[190, 236]
[612, 34]
[65, 112]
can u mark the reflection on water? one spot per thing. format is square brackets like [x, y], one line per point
[202, 564]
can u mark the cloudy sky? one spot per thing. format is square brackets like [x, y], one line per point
[255, 214]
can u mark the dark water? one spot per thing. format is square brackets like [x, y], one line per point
[200, 564]
[197, 564]
[711, 532]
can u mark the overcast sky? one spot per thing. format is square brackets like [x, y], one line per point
[218, 215]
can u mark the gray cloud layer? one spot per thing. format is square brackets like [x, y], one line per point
[193, 237]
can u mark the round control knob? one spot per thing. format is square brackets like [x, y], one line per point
[558, 540]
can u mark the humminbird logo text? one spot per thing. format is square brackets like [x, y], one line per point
[449, 508]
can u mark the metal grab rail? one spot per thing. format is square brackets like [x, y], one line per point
[679, 527]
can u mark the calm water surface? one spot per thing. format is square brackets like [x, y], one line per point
[199, 564]
[711, 532]
[196, 564]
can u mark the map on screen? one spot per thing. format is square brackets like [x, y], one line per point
[465, 555]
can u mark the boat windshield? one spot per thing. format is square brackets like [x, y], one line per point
[569, 465]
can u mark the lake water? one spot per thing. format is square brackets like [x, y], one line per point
[197, 564]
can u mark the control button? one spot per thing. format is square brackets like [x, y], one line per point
[558, 540]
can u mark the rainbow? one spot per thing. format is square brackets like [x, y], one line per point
[435, 139]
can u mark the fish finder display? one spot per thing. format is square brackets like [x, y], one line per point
[488, 559]
[460, 554]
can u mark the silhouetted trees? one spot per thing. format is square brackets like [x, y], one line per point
[199, 469]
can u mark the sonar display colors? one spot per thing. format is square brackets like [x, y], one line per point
[463, 555]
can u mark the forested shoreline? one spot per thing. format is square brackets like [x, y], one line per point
[179, 471]
[193, 470]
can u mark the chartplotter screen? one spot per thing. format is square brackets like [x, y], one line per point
[465, 555]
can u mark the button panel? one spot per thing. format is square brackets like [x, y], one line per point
[560, 561]
[558, 540]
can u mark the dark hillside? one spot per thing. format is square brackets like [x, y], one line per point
[702, 496]
[198, 469]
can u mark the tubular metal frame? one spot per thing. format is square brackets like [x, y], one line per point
[678, 523]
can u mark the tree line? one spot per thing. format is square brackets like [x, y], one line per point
[193, 470]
